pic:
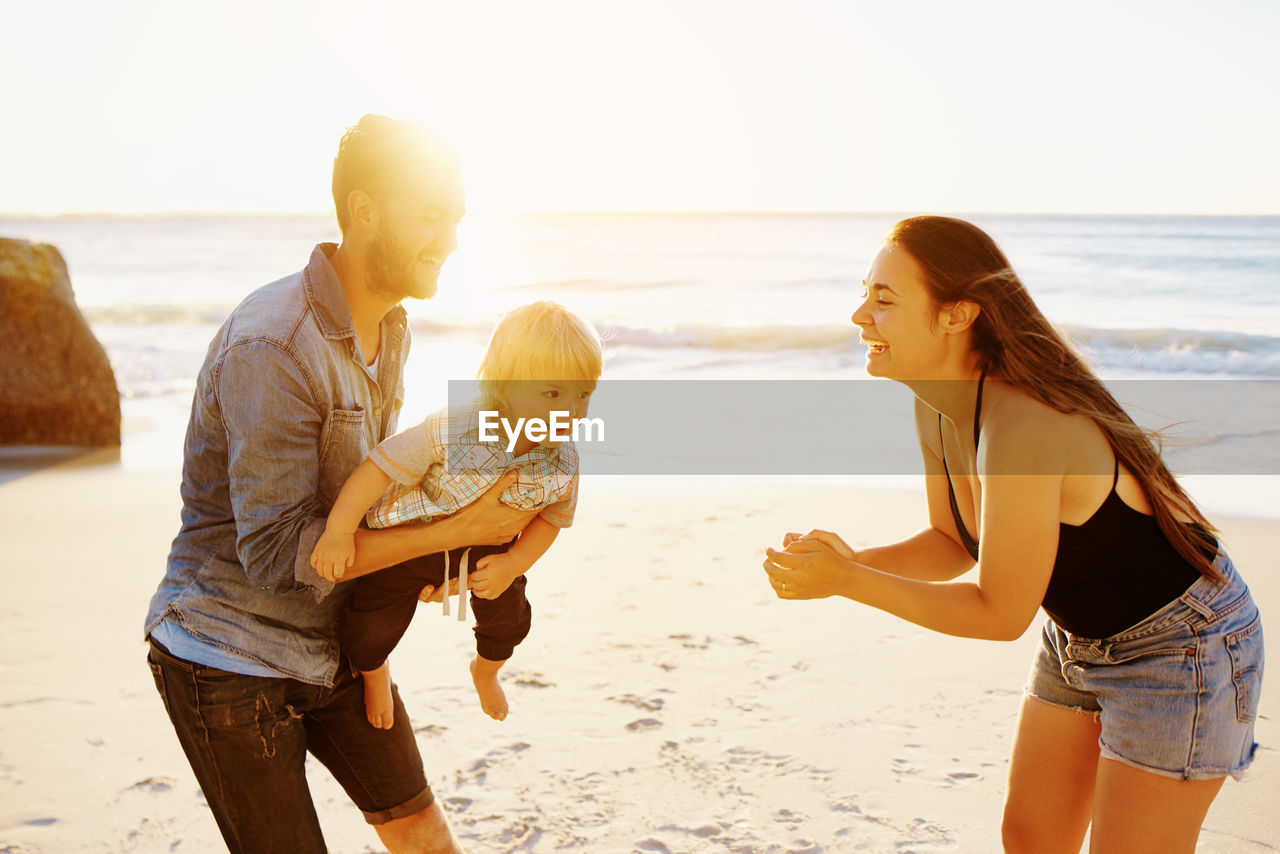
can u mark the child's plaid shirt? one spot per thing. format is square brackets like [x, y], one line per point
[440, 466]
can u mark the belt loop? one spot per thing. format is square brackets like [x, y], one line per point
[1199, 607]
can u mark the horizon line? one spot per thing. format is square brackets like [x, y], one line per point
[197, 213]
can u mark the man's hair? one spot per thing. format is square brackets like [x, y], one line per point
[539, 341]
[379, 155]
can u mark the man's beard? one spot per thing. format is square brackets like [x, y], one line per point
[392, 269]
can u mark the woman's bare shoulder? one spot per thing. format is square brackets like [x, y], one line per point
[1022, 431]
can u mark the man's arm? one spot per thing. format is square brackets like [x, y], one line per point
[273, 455]
[485, 521]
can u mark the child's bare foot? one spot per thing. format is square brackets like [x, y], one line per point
[492, 699]
[377, 696]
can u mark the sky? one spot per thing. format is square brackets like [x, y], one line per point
[1090, 107]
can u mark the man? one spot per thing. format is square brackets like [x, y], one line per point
[302, 381]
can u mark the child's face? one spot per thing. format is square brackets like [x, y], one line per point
[539, 398]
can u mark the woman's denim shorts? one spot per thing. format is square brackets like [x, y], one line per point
[1177, 693]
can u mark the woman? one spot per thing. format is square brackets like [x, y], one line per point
[1151, 630]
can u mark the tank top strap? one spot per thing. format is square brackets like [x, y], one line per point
[970, 544]
[977, 410]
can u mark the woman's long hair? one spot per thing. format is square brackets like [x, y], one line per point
[1015, 342]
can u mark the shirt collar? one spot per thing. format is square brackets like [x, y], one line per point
[328, 302]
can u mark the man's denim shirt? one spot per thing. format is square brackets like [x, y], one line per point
[284, 410]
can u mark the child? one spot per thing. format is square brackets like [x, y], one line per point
[541, 359]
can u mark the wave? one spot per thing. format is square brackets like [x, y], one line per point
[692, 336]
[1180, 351]
[156, 314]
[753, 339]
[1160, 350]
[594, 285]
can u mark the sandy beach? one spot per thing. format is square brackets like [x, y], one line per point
[665, 701]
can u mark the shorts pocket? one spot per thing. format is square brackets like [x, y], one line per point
[1245, 650]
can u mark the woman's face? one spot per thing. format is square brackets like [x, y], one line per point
[898, 319]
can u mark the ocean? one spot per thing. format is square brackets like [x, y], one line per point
[700, 296]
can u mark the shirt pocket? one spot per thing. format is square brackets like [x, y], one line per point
[342, 448]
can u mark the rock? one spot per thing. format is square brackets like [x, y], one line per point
[56, 383]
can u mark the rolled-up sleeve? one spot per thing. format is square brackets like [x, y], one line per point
[561, 513]
[273, 427]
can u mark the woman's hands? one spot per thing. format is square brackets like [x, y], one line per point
[827, 537]
[812, 566]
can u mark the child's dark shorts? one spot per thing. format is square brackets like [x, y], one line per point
[383, 604]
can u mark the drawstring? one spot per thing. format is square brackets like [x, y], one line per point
[462, 584]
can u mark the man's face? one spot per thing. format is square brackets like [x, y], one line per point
[415, 232]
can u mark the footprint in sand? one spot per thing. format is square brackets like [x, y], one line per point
[791, 819]
[153, 784]
[905, 767]
[479, 769]
[652, 704]
[846, 805]
[531, 680]
[961, 776]
[653, 845]
[687, 641]
[644, 724]
[457, 804]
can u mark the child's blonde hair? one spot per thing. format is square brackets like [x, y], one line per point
[539, 341]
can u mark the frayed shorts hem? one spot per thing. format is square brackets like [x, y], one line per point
[1105, 752]
[1096, 714]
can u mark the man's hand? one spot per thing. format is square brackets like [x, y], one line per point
[488, 522]
[432, 593]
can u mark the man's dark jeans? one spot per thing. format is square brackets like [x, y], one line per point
[247, 738]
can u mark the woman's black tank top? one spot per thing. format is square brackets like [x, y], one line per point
[1111, 572]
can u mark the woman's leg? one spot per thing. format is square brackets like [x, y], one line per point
[1051, 779]
[1136, 811]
